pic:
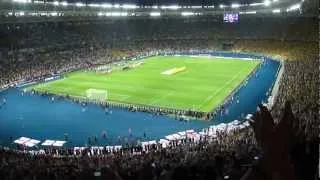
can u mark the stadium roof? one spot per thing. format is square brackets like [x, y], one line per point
[165, 2]
[145, 8]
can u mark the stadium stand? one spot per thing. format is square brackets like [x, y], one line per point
[33, 50]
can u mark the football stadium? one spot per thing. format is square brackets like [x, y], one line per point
[102, 89]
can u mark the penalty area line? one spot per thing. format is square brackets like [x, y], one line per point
[220, 89]
[162, 97]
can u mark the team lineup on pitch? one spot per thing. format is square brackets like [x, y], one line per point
[177, 82]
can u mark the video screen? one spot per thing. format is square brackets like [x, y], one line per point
[231, 17]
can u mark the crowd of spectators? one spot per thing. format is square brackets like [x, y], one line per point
[226, 155]
[36, 49]
[32, 50]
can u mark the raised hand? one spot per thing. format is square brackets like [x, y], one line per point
[276, 142]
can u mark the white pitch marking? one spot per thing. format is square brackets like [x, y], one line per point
[162, 97]
[220, 89]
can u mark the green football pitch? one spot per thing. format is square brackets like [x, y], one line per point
[199, 84]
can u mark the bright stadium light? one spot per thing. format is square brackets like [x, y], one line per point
[248, 12]
[196, 7]
[22, 1]
[267, 2]
[155, 14]
[106, 5]
[64, 3]
[221, 6]
[116, 5]
[38, 2]
[154, 7]
[54, 14]
[276, 11]
[56, 3]
[187, 13]
[100, 13]
[129, 6]
[79, 4]
[294, 7]
[256, 4]
[94, 5]
[275, 0]
[124, 14]
[21, 13]
[116, 14]
[235, 5]
[173, 7]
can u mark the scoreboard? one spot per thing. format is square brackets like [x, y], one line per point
[231, 17]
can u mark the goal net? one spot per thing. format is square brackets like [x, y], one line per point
[97, 95]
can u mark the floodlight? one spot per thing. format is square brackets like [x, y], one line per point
[248, 12]
[155, 14]
[21, 13]
[267, 2]
[235, 5]
[256, 4]
[294, 7]
[116, 5]
[124, 14]
[116, 14]
[22, 1]
[187, 13]
[56, 3]
[154, 7]
[106, 5]
[276, 11]
[94, 5]
[54, 14]
[64, 3]
[129, 6]
[221, 6]
[173, 7]
[38, 2]
[79, 4]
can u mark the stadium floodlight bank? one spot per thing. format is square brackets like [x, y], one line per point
[106, 10]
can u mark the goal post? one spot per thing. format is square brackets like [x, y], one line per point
[97, 95]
